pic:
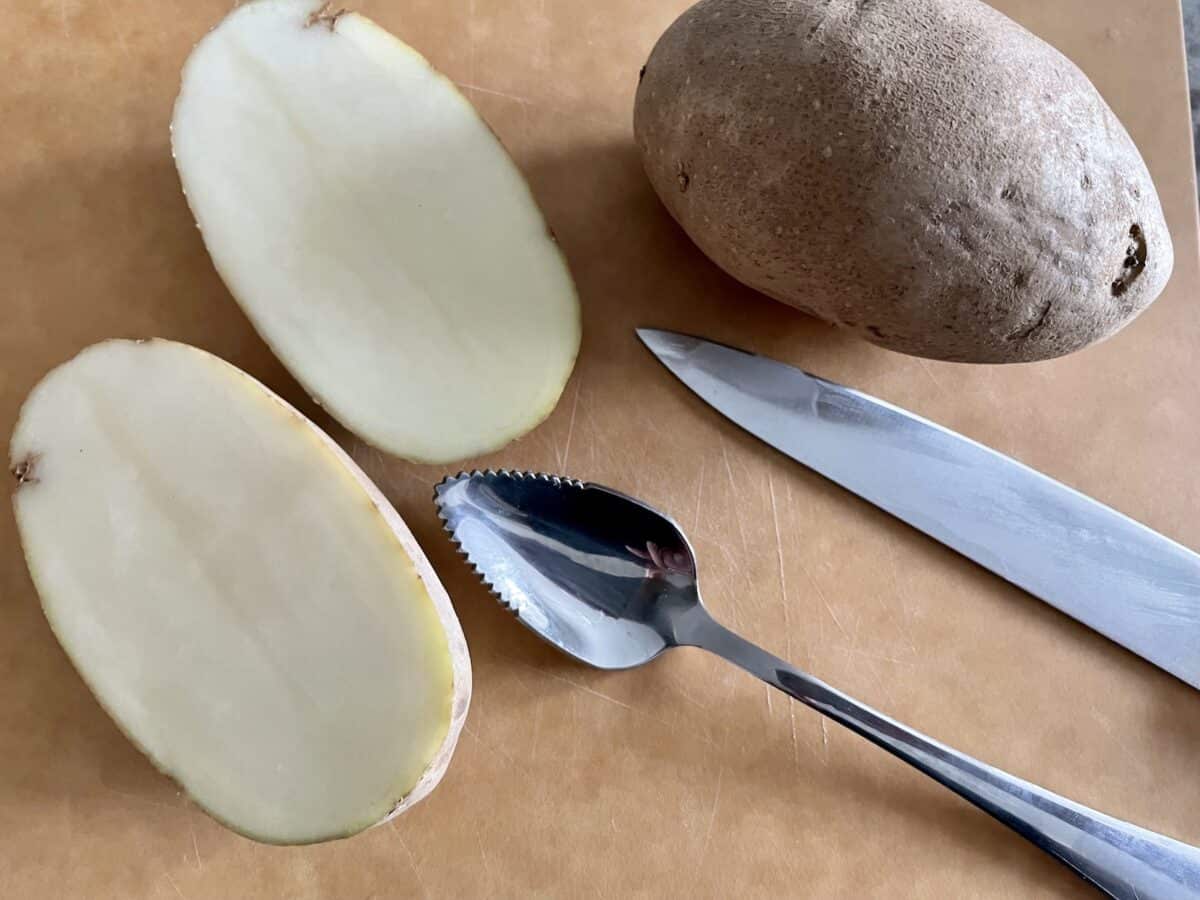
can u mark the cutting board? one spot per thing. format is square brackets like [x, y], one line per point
[686, 778]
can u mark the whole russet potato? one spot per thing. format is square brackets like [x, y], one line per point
[925, 173]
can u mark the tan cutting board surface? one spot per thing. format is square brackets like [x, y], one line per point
[686, 778]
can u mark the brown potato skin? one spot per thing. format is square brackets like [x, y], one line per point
[925, 173]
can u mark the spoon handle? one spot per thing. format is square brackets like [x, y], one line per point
[1122, 860]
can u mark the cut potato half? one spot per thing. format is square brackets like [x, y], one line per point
[374, 230]
[237, 594]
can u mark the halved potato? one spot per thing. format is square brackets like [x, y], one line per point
[237, 594]
[374, 230]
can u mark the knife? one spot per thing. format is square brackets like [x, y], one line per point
[1101, 567]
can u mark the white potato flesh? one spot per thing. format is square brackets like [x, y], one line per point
[374, 230]
[240, 599]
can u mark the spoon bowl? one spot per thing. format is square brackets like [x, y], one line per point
[589, 569]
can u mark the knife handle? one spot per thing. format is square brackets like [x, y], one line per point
[1122, 860]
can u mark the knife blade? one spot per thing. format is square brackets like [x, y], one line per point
[1093, 563]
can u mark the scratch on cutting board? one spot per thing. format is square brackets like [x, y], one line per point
[672, 726]
[901, 597]
[138, 798]
[795, 741]
[471, 73]
[525, 101]
[487, 865]
[1116, 737]
[195, 847]
[171, 881]
[571, 423]
[406, 472]
[537, 727]
[821, 596]
[873, 671]
[879, 657]
[737, 517]
[678, 684]
[699, 494]
[529, 689]
[712, 815]
[588, 690]
[787, 616]
[576, 731]
[787, 620]
[833, 616]
[62, 15]
[928, 371]
[412, 860]
[783, 591]
[499, 751]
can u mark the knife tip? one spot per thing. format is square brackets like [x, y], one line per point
[665, 343]
[648, 335]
